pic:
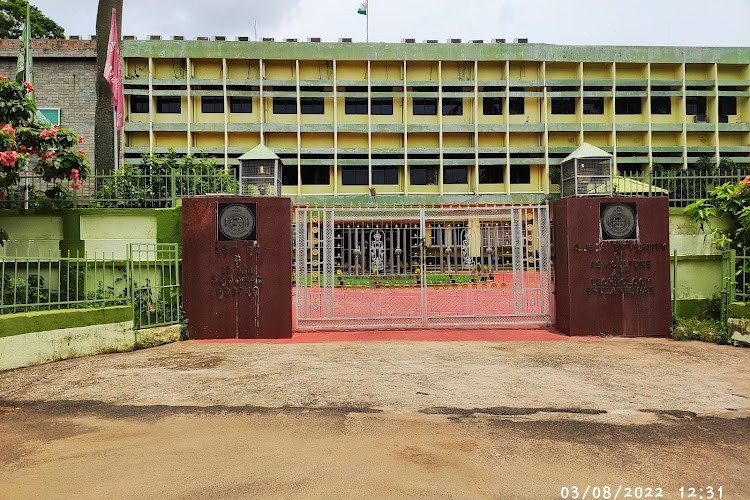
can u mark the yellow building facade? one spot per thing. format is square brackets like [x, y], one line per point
[434, 122]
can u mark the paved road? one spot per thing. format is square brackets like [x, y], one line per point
[392, 420]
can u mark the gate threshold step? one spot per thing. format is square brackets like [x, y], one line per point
[530, 334]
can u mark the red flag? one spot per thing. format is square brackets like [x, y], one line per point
[113, 71]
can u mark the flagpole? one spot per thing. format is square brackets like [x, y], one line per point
[117, 152]
[27, 77]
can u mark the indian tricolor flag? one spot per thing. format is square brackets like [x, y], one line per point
[363, 8]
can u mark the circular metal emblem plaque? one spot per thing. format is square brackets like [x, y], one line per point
[237, 222]
[618, 221]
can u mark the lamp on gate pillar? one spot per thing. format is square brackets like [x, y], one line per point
[260, 172]
[587, 171]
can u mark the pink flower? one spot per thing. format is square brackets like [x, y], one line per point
[80, 139]
[8, 129]
[47, 133]
[48, 155]
[76, 184]
[746, 181]
[81, 152]
[28, 86]
[75, 174]
[8, 158]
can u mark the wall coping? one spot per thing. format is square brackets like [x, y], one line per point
[42, 321]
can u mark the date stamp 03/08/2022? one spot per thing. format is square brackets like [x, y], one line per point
[625, 492]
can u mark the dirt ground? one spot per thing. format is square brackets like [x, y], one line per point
[508, 420]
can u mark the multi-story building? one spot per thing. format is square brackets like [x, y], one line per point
[455, 119]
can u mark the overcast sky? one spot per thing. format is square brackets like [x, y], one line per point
[580, 22]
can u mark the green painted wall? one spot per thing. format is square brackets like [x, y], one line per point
[42, 237]
[698, 266]
[169, 224]
[87, 230]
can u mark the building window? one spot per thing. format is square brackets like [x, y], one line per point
[491, 174]
[492, 106]
[516, 104]
[169, 104]
[563, 105]
[423, 175]
[385, 175]
[241, 104]
[628, 105]
[284, 106]
[455, 175]
[312, 106]
[453, 106]
[661, 105]
[593, 105]
[520, 174]
[354, 176]
[316, 175]
[52, 115]
[139, 104]
[355, 105]
[696, 105]
[425, 106]
[212, 104]
[378, 105]
[289, 175]
[381, 105]
[727, 105]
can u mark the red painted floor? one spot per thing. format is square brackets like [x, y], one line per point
[528, 334]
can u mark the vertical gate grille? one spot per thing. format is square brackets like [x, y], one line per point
[415, 268]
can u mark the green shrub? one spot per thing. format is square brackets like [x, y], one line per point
[158, 179]
[706, 330]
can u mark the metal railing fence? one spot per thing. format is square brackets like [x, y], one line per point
[741, 276]
[131, 188]
[155, 290]
[683, 187]
[148, 279]
[125, 189]
[69, 281]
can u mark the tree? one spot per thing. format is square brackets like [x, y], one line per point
[105, 129]
[13, 17]
[59, 161]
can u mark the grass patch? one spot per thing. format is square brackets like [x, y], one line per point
[706, 330]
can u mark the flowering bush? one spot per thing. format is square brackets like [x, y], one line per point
[23, 137]
[732, 203]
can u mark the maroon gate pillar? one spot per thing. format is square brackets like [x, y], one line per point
[236, 267]
[612, 266]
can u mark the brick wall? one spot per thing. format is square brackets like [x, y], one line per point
[65, 78]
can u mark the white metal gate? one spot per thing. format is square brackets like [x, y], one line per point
[359, 268]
